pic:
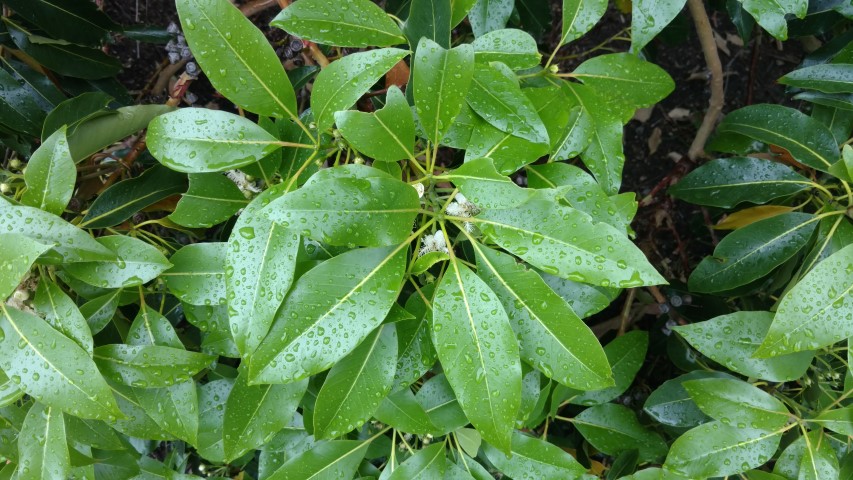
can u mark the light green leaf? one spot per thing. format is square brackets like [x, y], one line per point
[95, 433]
[344, 81]
[402, 411]
[307, 334]
[440, 405]
[730, 340]
[149, 366]
[74, 111]
[587, 252]
[440, 81]
[716, 450]
[500, 102]
[259, 270]
[670, 404]
[770, 14]
[100, 310]
[552, 337]
[42, 445]
[626, 355]
[69, 243]
[485, 187]
[808, 140]
[254, 413]
[819, 460]
[625, 78]
[838, 420]
[356, 385]
[534, 458]
[197, 275]
[92, 135]
[737, 403]
[346, 211]
[416, 354]
[211, 400]
[488, 15]
[603, 155]
[18, 255]
[61, 312]
[358, 23]
[727, 182]
[479, 352]
[236, 57]
[613, 429]
[124, 199]
[753, 251]
[137, 262]
[649, 18]
[827, 77]
[508, 151]
[387, 135]
[584, 299]
[429, 462]
[514, 48]
[65, 376]
[196, 140]
[817, 311]
[50, 175]
[211, 199]
[576, 136]
[429, 19]
[335, 459]
[173, 408]
[136, 421]
[579, 16]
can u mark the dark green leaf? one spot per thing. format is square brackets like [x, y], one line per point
[770, 14]
[670, 404]
[626, 355]
[61, 313]
[829, 78]
[97, 132]
[403, 412]
[77, 21]
[440, 405]
[429, 462]
[534, 458]
[386, 135]
[74, 111]
[737, 403]
[613, 429]
[335, 459]
[87, 63]
[136, 263]
[488, 15]
[649, 18]
[429, 19]
[515, 48]
[625, 78]
[148, 366]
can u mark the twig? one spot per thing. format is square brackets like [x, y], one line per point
[712, 59]
[166, 74]
[317, 54]
[625, 316]
[257, 6]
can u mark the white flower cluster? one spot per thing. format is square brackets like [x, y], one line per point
[243, 182]
[434, 243]
[461, 207]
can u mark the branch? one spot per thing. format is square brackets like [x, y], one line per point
[712, 59]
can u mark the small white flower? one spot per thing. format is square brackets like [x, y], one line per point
[242, 181]
[419, 187]
[440, 241]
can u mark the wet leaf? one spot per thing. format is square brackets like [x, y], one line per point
[489, 15]
[19, 253]
[533, 458]
[649, 18]
[42, 445]
[613, 428]
[402, 411]
[514, 48]
[440, 81]
[62, 313]
[357, 23]
[149, 366]
[211, 199]
[50, 175]
[197, 275]
[428, 462]
[829, 78]
[136, 263]
[386, 135]
[737, 403]
[579, 16]
[625, 78]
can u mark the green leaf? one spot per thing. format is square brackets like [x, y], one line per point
[122, 200]
[174, 409]
[42, 445]
[402, 411]
[236, 57]
[586, 252]
[649, 18]
[488, 15]
[737, 403]
[808, 141]
[440, 405]
[485, 187]
[626, 355]
[136, 421]
[576, 135]
[100, 310]
[752, 252]
[716, 450]
[671, 405]
[727, 182]
[151, 328]
[429, 462]
[838, 420]
[306, 336]
[196, 140]
[603, 155]
[335, 459]
[254, 413]
[65, 376]
[92, 432]
[356, 385]
[50, 175]
[149, 366]
[359, 23]
[579, 16]
[69, 243]
[346, 211]
[74, 111]
[440, 81]
[534, 458]
[211, 199]
[98, 132]
[508, 151]
[427, 260]
[500, 102]
[552, 337]
[514, 48]
[61, 312]
[19, 107]
[478, 350]
[730, 340]
[828, 77]
[819, 460]
[625, 78]
[613, 429]
[770, 14]
[211, 400]
[259, 267]
[137, 263]
[584, 299]
[197, 275]
[429, 19]
[414, 345]
[88, 63]
[344, 81]
[817, 311]
[387, 135]
[19, 254]
[77, 21]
